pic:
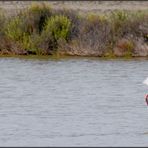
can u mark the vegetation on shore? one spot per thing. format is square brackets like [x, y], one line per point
[41, 30]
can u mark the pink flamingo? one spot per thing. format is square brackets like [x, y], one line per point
[146, 97]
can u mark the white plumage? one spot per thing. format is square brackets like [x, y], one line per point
[145, 81]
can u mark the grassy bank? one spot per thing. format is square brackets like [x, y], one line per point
[41, 30]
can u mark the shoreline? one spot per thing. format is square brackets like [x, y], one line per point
[64, 57]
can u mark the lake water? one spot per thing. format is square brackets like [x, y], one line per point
[73, 102]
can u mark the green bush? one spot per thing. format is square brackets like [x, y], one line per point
[42, 44]
[2, 23]
[14, 30]
[58, 26]
[35, 17]
[118, 20]
[73, 16]
[94, 33]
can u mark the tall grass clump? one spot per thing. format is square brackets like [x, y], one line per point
[14, 29]
[126, 23]
[2, 22]
[138, 24]
[30, 21]
[118, 20]
[130, 27]
[73, 16]
[4, 43]
[56, 28]
[92, 37]
[96, 32]
[27, 25]
[16, 39]
[35, 17]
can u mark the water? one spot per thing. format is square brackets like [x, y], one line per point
[73, 102]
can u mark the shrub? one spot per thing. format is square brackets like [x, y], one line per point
[11, 47]
[118, 21]
[14, 30]
[43, 44]
[74, 17]
[94, 33]
[125, 44]
[59, 27]
[124, 47]
[2, 23]
[133, 24]
[35, 17]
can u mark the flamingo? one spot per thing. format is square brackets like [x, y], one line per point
[146, 97]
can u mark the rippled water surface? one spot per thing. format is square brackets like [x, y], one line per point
[73, 102]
